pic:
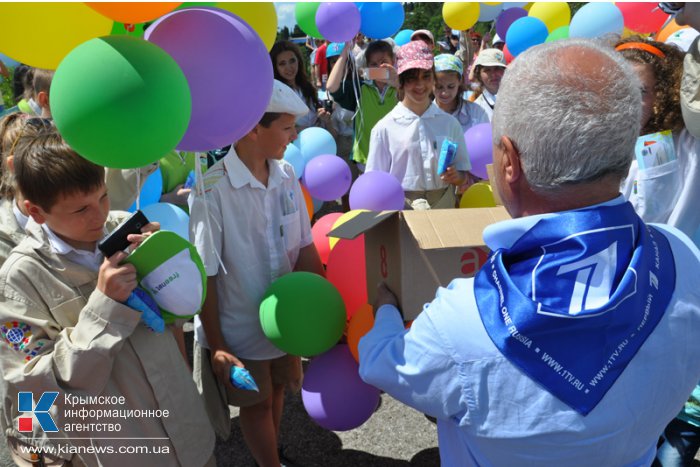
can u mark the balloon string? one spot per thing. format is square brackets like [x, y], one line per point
[199, 192]
[138, 189]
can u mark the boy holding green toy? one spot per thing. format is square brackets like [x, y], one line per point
[103, 388]
[258, 227]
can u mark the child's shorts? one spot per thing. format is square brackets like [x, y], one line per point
[283, 371]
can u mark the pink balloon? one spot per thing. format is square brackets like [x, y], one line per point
[643, 17]
[319, 231]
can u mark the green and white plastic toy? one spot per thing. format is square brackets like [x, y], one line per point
[169, 268]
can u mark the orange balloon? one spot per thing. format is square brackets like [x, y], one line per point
[309, 202]
[133, 13]
[665, 32]
[360, 324]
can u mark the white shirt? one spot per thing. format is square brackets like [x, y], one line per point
[491, 414]
[19, 216]
[90, 259]
[258, 232]
[486, 101]
[470, 114]
[408, 146]
[308, 119]
[669, 193]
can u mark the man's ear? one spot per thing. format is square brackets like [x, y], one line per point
[42, 98]
[512, 170]
[35, 212]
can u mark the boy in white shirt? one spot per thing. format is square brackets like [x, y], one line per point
[260, 229]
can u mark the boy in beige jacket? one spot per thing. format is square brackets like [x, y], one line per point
[117, 393]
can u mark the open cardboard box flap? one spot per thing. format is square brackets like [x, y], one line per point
[415, 252]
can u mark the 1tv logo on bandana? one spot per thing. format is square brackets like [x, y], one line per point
[590, 275]
[25, 404]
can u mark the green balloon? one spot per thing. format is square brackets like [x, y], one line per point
[302, 314]
[120, 101]
[559, 33]
[305, 13]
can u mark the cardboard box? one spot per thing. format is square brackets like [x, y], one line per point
[415, 252]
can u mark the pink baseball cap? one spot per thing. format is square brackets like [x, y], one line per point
[415, 54]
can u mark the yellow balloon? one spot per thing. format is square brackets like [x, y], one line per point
[479, 195]
[41, 34]
[554, 15]
[340, 221]
[528, 6]
[261, 16]
[460, 15]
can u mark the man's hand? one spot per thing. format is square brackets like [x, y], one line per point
[384, 297]
[114, 280]
[221, 363]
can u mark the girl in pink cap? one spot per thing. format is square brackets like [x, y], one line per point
[407, 141]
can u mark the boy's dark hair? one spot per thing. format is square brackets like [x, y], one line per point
[379, 46]
[12, 127]
[268, 118]
[18, 82]
[46, 168]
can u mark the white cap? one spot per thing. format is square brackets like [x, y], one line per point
[285, 101]
[497, 39]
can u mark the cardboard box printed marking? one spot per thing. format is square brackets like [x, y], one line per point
[415, 252]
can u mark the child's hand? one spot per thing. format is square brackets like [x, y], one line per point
[178, 196]
[393, 80]
[323, 114]
[146, 231]
[221, 363]
[453, 176]
[114, 280]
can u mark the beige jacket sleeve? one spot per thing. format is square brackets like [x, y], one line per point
[59, 351]
[122, 185]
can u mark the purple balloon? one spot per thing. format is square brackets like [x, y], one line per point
[480, 148]
[327, 177]
[506, 18]
[377, 191]
[333, 394]
[227, 67]
[338, 22]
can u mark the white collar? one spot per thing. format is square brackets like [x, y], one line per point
[504, 234]
[239, 174]
[403, 113]
[59, 245]
[19, 216]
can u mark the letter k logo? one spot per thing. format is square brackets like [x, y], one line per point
[40, 411]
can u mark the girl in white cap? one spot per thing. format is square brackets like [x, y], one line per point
[487, 72]
[449, 91]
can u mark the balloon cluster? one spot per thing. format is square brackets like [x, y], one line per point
[124, 101]
[523, 25]
[340, 22]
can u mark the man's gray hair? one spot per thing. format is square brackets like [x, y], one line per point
[572, 110]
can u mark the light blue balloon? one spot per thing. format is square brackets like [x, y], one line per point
[318, 204]
[293, 155]
[315, 141]
[595, 20]
[171, 218]
[524, 33]
[489, 12]
[151, 190]
[381, 19]
[8, 61]
[403, 37]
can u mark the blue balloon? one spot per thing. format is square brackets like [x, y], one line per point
[171, 218]
[381, 19]
[403, 37]
[293, 155]
[524, 33]
[318, 204]
[595, 20]
[9, 63]
[315, 141]
[150, 191]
